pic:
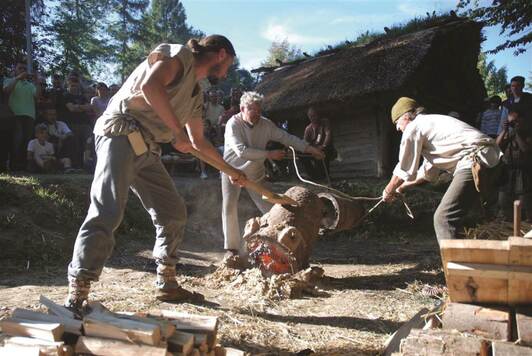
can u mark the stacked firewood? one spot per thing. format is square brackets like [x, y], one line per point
[102, 332]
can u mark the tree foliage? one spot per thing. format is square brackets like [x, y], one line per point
[283, 52]
[514, 17]
[494, 79]
[124, 29]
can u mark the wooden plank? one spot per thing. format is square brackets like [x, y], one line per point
[523, 318]
[56, 309]
[491, 323]
[490, 271]
[110, 347]
[72, 326]
[109, 326]
[520, 288]
[181, 342]
[196, 324]
[394, 341]
[475, 251]
[463, 289]
[509, 349]
[443, 342]
[37, 329]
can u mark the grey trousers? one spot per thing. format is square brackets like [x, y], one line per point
[230, 224]
[457, 200]
[117, 170]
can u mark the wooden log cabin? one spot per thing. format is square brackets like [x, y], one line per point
[355, 88]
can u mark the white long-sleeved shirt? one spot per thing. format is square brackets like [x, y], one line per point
[245, 145]
[446, 144]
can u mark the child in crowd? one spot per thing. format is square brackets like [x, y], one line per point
[40, 154]
[60, 135]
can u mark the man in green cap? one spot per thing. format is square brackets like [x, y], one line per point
[446, 144]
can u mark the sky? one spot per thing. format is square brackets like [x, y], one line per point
[311, 25]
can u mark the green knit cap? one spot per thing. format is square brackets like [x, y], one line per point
[403, 105]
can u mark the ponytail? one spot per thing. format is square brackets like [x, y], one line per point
[212, 43]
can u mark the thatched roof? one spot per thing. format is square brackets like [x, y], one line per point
[382, 65]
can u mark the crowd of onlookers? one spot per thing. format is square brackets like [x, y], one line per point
[48, 128]
[510, 123]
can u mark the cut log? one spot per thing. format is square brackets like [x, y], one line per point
[394, 341]
[17, 350]
[443, 342]
[109, 326]
[72, 326]
[181, 342]
[167, 328]
[229, 351]
[200, 342]
[56, 309]
[519, 287]
[281, 240]
[37, 329]
[195, 324]
[45, 347]
[509, 349]
[475, 251]
[110, 347]
[523, 318]
[486, 322]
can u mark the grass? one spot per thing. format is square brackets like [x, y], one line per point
[40, 217]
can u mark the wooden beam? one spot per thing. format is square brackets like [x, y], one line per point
[520, 288]
[394, 341]
[110, 347]
[490, 323]
[490, 271]
[72, 326]
[167, 328]
[18, 350]
[31, 328]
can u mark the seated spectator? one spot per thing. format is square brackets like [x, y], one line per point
[213, 110]
[100, 101]
[489, 119]
[318, 134]
[516, 142]
[76, 116]
[40, 153]
[60, 135]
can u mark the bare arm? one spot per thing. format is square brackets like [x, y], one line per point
[161, 74]
[407, 185]
[199, 142]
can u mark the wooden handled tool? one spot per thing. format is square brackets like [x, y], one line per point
[268, 195]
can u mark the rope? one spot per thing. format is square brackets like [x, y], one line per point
[347, 196]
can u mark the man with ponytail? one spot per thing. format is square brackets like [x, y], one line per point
[156, 104]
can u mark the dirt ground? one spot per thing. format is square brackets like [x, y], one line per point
[373, 274]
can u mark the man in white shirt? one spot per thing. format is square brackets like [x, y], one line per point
[60, 136]
[446, 144]
[246, 136]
